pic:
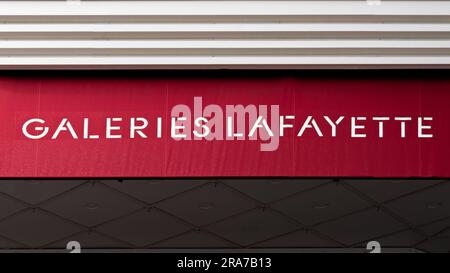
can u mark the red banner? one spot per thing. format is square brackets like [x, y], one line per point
[224, 126]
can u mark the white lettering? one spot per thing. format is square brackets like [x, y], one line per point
[307, 124]
[422, 127]
[65, 126]
[37, 128]
[138, 129]
[110, 128]
[357, 126]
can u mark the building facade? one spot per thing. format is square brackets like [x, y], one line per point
[274, 126]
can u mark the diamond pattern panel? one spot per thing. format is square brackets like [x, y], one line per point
[144, 227]
[269, 190]
[384, 190]
[300, 238]
[9, 206]
[406, 238]
[361, 226]
[152, 191]
[321, 204]
[438, 244]
[92, 204]
[423, 207]
[195, 239]
[257, 213]
[88, 239]
[207, 204]
[36, 191]
[36, 228]
[252, 227]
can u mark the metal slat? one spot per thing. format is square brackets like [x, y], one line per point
[255, 34]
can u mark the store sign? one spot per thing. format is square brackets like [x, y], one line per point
[281, 126]
[239, 123]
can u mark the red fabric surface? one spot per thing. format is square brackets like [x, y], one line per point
[53, 98]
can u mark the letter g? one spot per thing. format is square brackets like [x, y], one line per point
[37, 128]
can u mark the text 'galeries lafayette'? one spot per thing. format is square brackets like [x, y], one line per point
[235, 122]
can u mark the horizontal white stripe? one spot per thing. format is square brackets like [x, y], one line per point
[227, 44]
[255, 34]
[230, 27]
[220, 60]
[10, 8]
